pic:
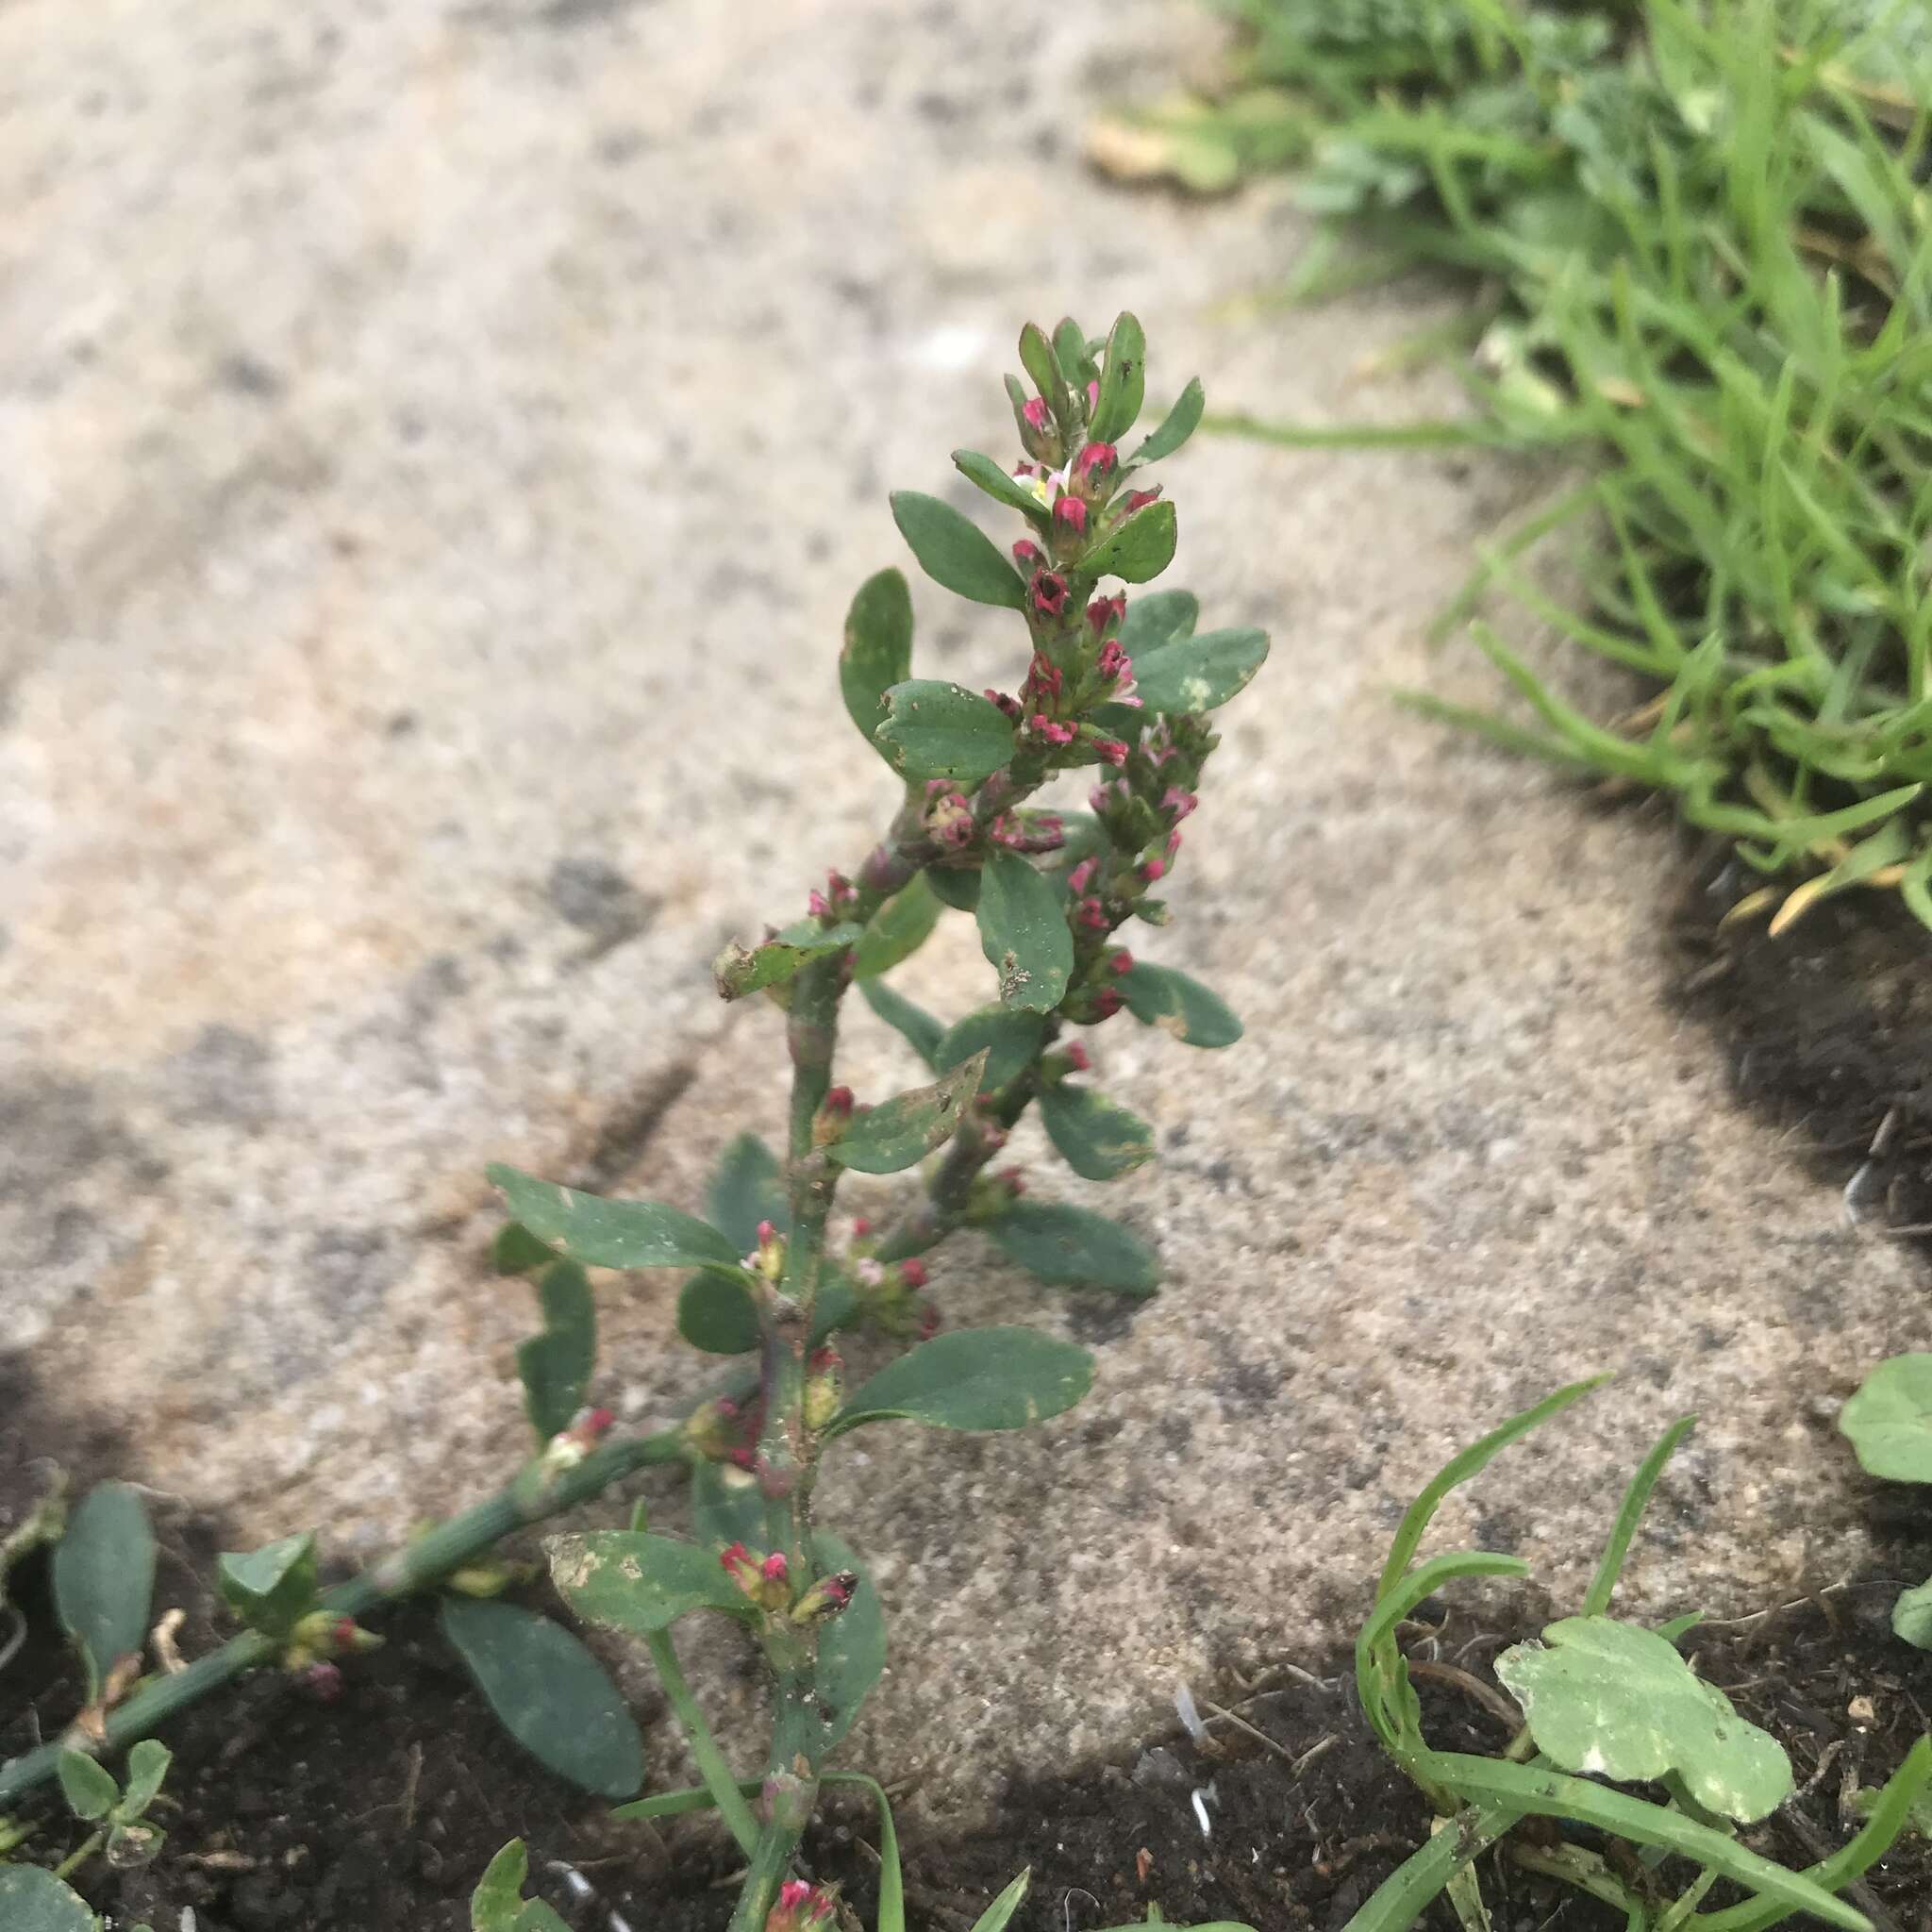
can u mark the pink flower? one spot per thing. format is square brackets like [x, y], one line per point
[1139, 499]
[1043, 681]
[1093, 397]
[1076, 1057]
[1112, 749]
[1082, 876]
[837, 1103]
[1028, 554]
[1156, 869]
[1122, 962]
[1049, 592]
[1099, 459]
[1107, 1002]
[861, 1226]
[1174, 844]
[794, 1891]
[1071, 512]
[1178, 802]
[1092, 915]
[1113, 662]
[818, 905]
[914, 1273]
[1037, 415]
[1052, 731]
[775, 1569]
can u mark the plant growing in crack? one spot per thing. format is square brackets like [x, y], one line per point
[1120, 691]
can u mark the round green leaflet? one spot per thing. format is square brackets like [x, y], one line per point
[32, 1900]
[1888, 1421]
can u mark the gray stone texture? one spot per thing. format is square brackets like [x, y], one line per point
[440, 443]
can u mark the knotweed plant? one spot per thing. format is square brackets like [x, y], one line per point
[1111, 692]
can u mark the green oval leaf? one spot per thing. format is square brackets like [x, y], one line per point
[747, 1187]
[1888, 1421]
[1156, 619]
[1160, 996]
[498, 1904]
[1097, 1138]
[1136, 550]
[147, 1766]
[1070, 1248]
[1123, 381]
[1178, 424]
[877, 652]
[1010, 1041]
[628, 1579]
[549, 1693]
[611, 1234]
[32, 1900]
[902, 1131]
[1196, 674]
[555, 1365]
[273, 1588]
[89, 1788]
[953, 551]
[851, 1647]
[912, 1023]
[1024, 934]
[716, 1313]
[939, 730]
[1912, 1616]
[1039, 361]
[104, 1580]
[955, 886]
[999, 484]
[516, 1250]
[740, 970]
[975, 1378]
[1070, 351]
[1615, 1700]
[897, 929]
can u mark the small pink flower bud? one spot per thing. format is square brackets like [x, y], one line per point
[1082, 876]
[1076, 1057]
[794, 1891]
[1139, 499]
[1177, 802]
[1153, 870]
[1009, 705]
[1093, 397]
[861, 1226]
[767, 1234]
[1071, 512]
[743, 1459]
[1049, 592]
[1037, 415]
[817, 905]
[1107, 1002]
[1174, 844]
[914, 1273]
[775, 1569]
[837, 1103]
[1122, 962]
[1051, 730]
[1099, 615]
[1112, 749]
[1092, 915]
[1113, 662]
[1043, 681]
[1029, 554]
[1098, 459]
[825, 1598]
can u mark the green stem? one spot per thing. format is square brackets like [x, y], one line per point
[67, 1866]
[771, 1858]
[416, 1567]
[703, 1746]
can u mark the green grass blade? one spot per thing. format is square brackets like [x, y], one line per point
[1596, 1599]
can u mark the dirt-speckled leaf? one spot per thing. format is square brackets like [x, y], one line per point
[1614, 1700]
[1123, 381]
[1160, 996]
[611, 1234]
[877, 652]
[628, 1579]
[1010, 1040]
[1137, 550]
[740, 970]
[270, 1589]
[999, 484]
[1070, 1248]
[1024, 934]
[715, 1313]
[901, 1132]
[1912, 1616]
[897, 929]
[1888, 1421]
[851, 1647]
[103, 1578]
[953, 551]
[1196, 674]
[912, 1023]
[747, 1187]
[1176, 427]
[974, 1378]
[1096, 1137]
[555, 1364]
[1156, 619]
[549, 1693]
[33, 1900]
[939, 730]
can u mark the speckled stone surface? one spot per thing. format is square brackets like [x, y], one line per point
[441, 440]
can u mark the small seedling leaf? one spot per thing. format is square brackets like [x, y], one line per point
[1156, 619]
[955, 552]
[851, 1647]
[498, 1904]
[747, 1187]
[901, 1132]
[912, 1023]
[1123, 381]
[1614, 1700]
[628, 1579]
[1176, 427]
[1136, 550]
[1198, 673]
[1010, 1041]
[549, 1693]
[1160, 996]
[104, 1580]
[1912, 1616]
[33, 1900]
[976, 1379]
[1097, 1138]
[555, 1365]
[611, 1234]
[1070, 1248]
[1888, 1421]
[89, 1788]
[740, 970]
[934, 729]
[897, 929]
[1024, 934]
[1000, 486]
[272, 1588]
[147, 1769]
[997, 1915]
[715, 1313]
[877, 652]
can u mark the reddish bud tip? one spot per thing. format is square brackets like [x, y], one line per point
[1154, 869]
[1092, 915]
[1174, 844]
[1028, 553]
[1048, 593]
[817, 905]
[1009, 706]
[1122, 962]
[861, 1226]
[1052, 731]
[1139, 499]
[914, 1273]
[732, 1557]
[838, 1103]
[1071, 512]
[1177, 802]
[1076, 1057]
[1112, 749]
[1093, 397]
[1113, 662]
[743, 1459]
[767, 1234]
[1037, 415]
[1107, 1002]
[775, 1568]
[794, 1891]
[1082, 876]
[598, 1423]
[824, 1361]
[1098, 459]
